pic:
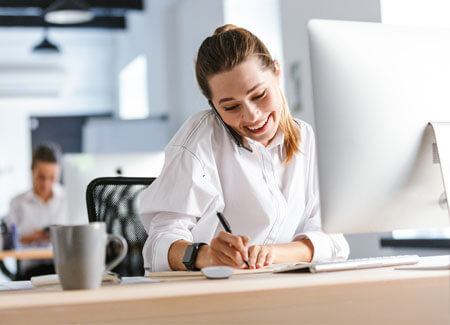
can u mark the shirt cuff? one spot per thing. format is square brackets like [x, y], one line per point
[321, 244]
[160, 260]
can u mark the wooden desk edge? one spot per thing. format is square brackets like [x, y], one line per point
[23, 254]
[202, 286]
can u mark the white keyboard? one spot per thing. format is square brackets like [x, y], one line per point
[353, 264]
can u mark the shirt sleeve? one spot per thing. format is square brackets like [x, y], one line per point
[173, 204]
[326, 246]
[13, 215]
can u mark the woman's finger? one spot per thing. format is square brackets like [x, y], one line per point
[226, 249]
[219, 258]
[235, 241]
[253, 252]
[269, 259]
[260, 260]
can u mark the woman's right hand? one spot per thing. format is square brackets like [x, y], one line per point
[37, 236]
[226, 249]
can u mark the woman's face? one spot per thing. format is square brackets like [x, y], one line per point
[248, 99]
[44, 174]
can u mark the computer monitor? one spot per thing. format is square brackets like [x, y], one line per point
[375, 89]
[80, 169]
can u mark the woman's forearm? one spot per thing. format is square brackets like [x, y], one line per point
[296, 251]
[176, 253]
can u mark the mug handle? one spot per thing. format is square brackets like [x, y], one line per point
[123, 251]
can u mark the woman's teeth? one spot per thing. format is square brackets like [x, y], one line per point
[259, 125]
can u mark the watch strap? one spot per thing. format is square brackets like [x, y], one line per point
[189, 261]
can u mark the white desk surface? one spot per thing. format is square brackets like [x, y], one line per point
[371, 296]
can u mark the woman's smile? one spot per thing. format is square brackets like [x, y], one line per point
[260, 127]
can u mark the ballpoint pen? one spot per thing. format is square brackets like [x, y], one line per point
[227, 228]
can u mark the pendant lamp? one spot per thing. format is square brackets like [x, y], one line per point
[45, 46]
[68, 12]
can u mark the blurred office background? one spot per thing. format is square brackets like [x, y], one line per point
[124, 82]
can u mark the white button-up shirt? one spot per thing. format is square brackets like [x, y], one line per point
[30, 213]
[262, 197]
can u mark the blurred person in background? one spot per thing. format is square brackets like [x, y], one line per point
[34, 211]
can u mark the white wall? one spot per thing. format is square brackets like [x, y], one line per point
[111, 135]
[294, 16]
[428, 13]
[145, 35]
[86, 58]
[85, 81]
[192, 21]
[15, 155]
[265, 23]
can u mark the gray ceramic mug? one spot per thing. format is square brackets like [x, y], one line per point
[79, 253]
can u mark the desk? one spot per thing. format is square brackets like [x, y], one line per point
[373, 296]
[23, 254]
[28, 253]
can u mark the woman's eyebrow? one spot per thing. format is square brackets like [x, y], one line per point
[254, 87]
[225, 99]
[248, 92]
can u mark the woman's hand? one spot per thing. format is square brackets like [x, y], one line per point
[231, 250]
[260, 255]
[38, 236]
[293, 252]
[226, 249]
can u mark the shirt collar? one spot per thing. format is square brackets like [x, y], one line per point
[277, 140]
[56, 189]
[30, 195]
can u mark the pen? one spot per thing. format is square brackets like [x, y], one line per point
[227, 228]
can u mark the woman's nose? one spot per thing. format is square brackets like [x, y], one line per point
[251, 113]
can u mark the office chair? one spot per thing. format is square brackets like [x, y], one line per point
[113, 201]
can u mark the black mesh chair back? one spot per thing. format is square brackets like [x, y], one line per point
[113, 200]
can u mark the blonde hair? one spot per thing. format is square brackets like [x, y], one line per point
[225, 49]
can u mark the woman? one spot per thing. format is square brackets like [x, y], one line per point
[247, 158]
[33, 211]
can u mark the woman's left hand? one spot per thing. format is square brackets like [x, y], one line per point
[260, 255]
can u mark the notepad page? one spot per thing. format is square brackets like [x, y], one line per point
[265, 269]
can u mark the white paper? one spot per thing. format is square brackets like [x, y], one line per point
[137, 279]
[429, 263]
[16, 285]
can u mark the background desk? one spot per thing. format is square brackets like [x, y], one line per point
[375, 296]
[23, 254]
[27, 253]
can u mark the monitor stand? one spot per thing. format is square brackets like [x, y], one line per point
[442, 136]
[441, 131]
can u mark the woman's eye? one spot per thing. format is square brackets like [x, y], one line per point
[230, 108]
[260, 95]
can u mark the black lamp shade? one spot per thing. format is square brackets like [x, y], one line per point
[45, 46]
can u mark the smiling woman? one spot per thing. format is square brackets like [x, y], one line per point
[253, 110]
[267, 192]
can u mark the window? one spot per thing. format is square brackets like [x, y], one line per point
[133, 90]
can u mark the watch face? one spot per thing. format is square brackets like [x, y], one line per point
[187, 258]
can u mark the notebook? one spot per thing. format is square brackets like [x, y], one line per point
[53, 279]
[266, 269]
[352, 264]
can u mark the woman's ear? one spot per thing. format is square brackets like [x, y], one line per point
[277, 71]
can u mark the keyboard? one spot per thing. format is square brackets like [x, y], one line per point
[352, 264]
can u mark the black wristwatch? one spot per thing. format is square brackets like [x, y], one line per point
[190, 256]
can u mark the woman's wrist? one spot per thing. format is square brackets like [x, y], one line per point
[296, 251]
[202, 257]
